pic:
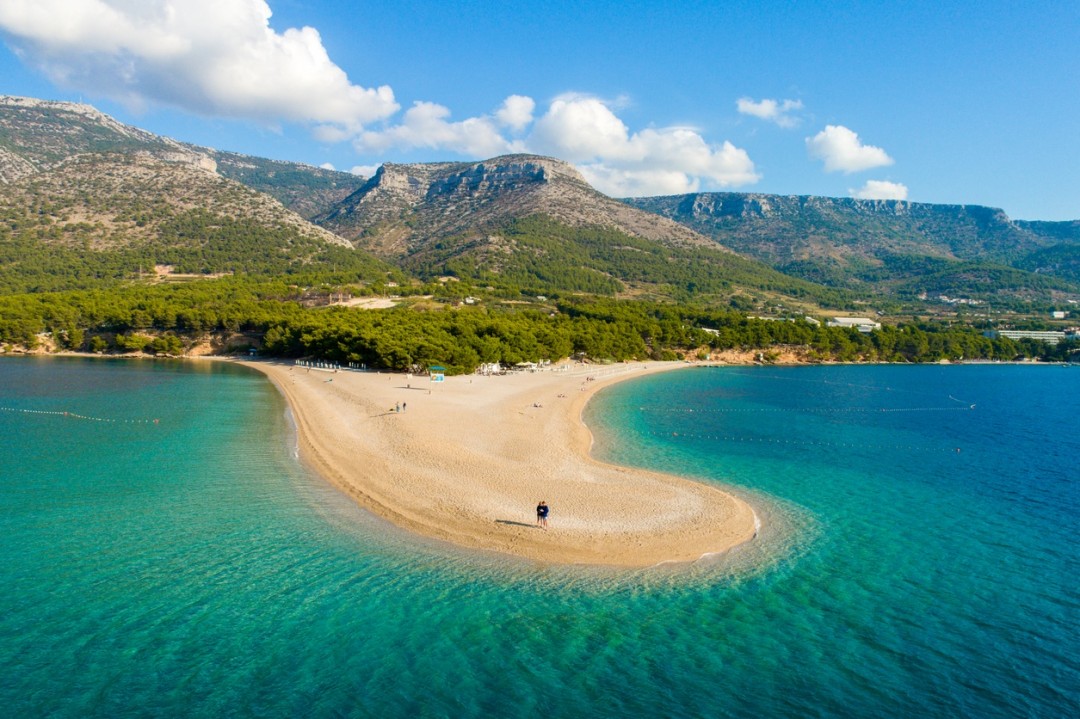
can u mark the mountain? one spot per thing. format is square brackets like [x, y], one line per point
[90, 199]
[404, 207]
[85, 200]
[534, 222]
[36, 135]
[884, 245]
[108, 200]
[308, 191]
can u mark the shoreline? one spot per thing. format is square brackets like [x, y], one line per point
[468, 459]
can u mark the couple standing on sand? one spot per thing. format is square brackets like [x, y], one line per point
[541, 514]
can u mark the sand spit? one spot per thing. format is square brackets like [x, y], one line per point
[467, 460]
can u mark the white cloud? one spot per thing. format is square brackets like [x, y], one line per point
[365, 170]
[425, 125]
[880, 190]
[221, 58]
[638, 183]
[841, 150]
[578, 128]
[212, 57]
[776, 111]
[586, 131]
[327, 166]
[332, 134]
[516, 112]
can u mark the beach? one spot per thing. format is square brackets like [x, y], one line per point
[467, 460]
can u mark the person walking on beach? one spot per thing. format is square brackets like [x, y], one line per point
[541, 514]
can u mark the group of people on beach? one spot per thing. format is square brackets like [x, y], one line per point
[542, 514]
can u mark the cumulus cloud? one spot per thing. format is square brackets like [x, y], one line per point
[364, 170]
[221, 58]
[620, 182]
[212, 57]
[842, 151]
[578, 128]
[880, 190]
[426, 125]
[585, 130]
[581, 129]
[516, 112]
[775, 111]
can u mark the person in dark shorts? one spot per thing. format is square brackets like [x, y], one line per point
[542, 514]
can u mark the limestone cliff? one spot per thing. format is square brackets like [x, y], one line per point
[407, 206]
[843, 240]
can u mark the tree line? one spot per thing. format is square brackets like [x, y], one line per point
[167, 319]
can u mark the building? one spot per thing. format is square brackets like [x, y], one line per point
[489, 368]
[863, 324]
[1050, 338]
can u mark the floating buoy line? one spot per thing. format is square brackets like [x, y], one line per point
[853, 385]
[799, 442]
[959, 406]
[801, 410]
[73, 415]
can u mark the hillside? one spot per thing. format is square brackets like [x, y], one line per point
[100, 217]
[308, 191]
[109, 200]
[884, 245]
[115, 240]
[534, 223]
[36, 135]
[88, 199]
[404, 208]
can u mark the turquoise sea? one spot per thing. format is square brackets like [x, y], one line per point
[165, 554]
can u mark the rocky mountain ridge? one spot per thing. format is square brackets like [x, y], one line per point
[111, 200]
[37, 135]
[96, 173]
[86, 201]
[407, 206]
[838, 240]
[95, 199]
[525, 216]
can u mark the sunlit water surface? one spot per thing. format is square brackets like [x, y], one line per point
[165, 554]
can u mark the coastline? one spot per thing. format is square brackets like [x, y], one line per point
[468, 459]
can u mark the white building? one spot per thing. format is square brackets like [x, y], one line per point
[1050, 338]
[863, 324]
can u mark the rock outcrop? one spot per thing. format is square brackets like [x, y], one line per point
[782, 229]
[406, 206]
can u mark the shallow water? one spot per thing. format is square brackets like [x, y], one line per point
[192, 567]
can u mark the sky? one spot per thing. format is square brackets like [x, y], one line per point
[943, 102]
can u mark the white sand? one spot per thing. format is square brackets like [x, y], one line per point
[468, 460]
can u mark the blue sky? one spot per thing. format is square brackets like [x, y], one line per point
[948, 102]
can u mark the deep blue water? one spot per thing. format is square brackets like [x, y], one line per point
[191, 567]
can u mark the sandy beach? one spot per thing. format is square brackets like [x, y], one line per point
[467, 460]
